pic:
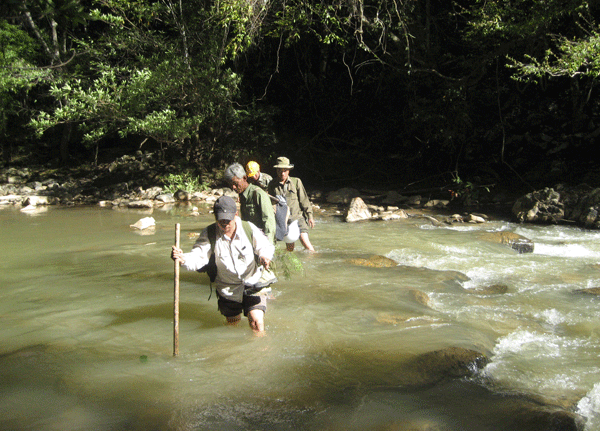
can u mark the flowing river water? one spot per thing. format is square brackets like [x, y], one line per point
[86, 329]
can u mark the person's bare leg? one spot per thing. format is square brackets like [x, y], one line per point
[306, 242]
[234, 320]
[256, 319]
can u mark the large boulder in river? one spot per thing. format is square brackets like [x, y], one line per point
[580, 204]
[587, 209]
[542, 206]
[357, 211]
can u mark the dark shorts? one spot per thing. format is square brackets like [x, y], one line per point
[249, 302]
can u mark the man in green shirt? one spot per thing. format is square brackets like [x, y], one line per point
[297, 199]
[255, 204]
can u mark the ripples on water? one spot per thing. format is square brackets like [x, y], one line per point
[547, 336]
[86, 299]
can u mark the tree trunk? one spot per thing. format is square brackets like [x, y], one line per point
[64, 143]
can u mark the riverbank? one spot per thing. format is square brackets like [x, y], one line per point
[138, 181]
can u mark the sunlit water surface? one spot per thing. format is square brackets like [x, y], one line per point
[87, 334]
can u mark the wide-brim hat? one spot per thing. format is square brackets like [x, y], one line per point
[283, 163]
[225, 208]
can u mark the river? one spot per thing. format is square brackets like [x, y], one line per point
[87, 333]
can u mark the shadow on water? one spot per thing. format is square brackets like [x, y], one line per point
[192, 312]
[360, 391]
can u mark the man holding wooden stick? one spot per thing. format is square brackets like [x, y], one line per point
[239, 276]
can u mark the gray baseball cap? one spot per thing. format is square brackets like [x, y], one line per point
[225, 208]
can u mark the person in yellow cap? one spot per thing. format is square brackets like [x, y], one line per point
[256, 177]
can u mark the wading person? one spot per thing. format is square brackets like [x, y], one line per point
[256, 177]
[238, 279]
[297, 200]
[255, 204]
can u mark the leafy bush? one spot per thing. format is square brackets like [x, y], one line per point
[185, 181]
[286, 263]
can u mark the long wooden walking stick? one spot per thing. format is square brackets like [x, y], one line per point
[176, 297]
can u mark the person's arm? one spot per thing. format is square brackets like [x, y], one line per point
[271, 188]
[196, 258]
[263, 247]
[304, 202]
[267, 214]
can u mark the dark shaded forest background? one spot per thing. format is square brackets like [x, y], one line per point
[383, 94]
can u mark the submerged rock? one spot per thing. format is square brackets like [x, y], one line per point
[375, 261]
[420, 297]
[549, 418]
[494, 289]
[452, 362]
[435, 222]
[514, 240]
[594, 291]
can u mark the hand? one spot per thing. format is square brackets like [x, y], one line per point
[265, 262]
[311, 223]
[177, 254]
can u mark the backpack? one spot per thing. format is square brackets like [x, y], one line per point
[211, 267]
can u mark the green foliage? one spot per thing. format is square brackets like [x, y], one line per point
[573, 58]
[143, 76]
[287, 263]
[242, 21]
[18, 75]
[467, 192]
[185, 181]
[503, 20]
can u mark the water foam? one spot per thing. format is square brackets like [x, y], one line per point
[589, 407]
[565, 250]
[552, 317]
[526, 342]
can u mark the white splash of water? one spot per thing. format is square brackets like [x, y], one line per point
[589, 407]
[552, 317]
[526, 342]
[565, 250]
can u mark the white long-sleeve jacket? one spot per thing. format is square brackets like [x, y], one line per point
[234, 257]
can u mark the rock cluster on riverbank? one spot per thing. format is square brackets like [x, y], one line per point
[137, 182]
[577, 205]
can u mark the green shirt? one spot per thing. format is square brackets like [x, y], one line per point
[295, 194]
[256, 207]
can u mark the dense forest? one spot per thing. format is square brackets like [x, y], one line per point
[383, 93]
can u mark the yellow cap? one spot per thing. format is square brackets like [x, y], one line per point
[252, 168]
